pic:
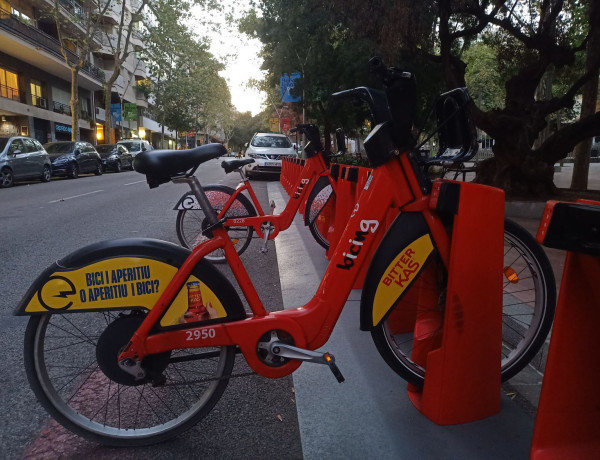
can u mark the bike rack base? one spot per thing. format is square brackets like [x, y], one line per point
[567, 425]
[462, 382]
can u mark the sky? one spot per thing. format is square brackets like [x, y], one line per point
[239, 53]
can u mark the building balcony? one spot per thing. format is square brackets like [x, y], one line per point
[108, 44]
[100, 114]
[135, 5]
[59, 107]
[32, 45]
[140, 71]
[112, 13]
[136, 40]
[9, 92]
[40, 102]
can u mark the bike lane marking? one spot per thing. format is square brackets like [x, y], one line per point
[75, 196]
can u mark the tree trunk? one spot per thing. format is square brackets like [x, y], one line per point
[75, 104]
[107, 101]
[519, 172]
[581, 153]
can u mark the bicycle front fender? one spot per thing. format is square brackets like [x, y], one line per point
[399, 258]
[125, 274]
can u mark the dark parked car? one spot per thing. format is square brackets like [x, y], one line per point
[115, 157]
[22, 158]
[72, 158]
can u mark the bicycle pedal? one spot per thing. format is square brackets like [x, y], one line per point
[330, 360]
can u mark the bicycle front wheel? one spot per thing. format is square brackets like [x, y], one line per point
[529, 297]
[70, 361]
[192, 224]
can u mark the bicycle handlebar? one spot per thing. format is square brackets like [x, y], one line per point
[374, 98]
[311, 131]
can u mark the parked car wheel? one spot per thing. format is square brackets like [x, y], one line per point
[6, 178]
[74, 173]
[46, 174]
[99, 169]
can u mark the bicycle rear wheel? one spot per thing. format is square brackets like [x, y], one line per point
[319, 211]
[529, 297]
[70, 361]
[192, 224]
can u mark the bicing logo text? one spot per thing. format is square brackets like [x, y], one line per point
[366, 227]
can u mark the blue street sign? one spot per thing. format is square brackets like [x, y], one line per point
[115, 111]
[286, 83]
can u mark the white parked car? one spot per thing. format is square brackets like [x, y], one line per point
[267, 149]
[135, 146]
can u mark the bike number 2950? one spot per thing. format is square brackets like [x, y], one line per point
[201, 334]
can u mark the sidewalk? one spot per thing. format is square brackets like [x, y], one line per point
[370, 415]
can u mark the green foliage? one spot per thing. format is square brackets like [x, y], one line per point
[304, 36]
[483, 77]
[188, 91]
[351, 160]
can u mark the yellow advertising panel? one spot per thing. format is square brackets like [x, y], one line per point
[399, 274]
[274, 124]
[124, 282]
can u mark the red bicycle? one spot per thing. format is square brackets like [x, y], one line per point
[242, 216]
[133, 341]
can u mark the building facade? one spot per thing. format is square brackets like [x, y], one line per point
[35, 81]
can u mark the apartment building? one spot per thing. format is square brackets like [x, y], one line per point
[35, 82]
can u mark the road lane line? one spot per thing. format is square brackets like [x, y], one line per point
[75, 196]
[136, 182]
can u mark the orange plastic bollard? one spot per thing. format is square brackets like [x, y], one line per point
[339, 218]
[462, 380]
[284, 176]
[567, 425]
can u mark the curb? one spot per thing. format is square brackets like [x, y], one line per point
[527, 209]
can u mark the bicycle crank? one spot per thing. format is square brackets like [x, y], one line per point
[274, 351]
[266, 228]
[288, 351]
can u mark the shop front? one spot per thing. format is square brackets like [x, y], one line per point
[62, 132]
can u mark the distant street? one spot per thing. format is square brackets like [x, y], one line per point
[40, 223]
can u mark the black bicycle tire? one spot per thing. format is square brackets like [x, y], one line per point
[312, 221]
[416, 376]
[241, 199]
[35, 363]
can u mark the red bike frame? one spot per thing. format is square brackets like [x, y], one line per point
[393, 184]
[314, 167]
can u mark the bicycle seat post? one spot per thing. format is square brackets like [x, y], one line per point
[203, 201]
[242, 174]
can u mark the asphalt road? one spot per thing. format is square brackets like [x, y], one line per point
[40, 223]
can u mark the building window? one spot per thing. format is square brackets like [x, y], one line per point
[20, 16]
[36, 94]
[9, 86]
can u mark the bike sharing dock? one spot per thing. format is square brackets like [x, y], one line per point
[461, 412]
